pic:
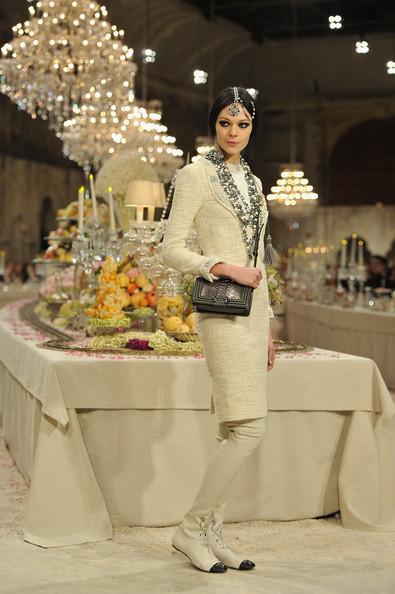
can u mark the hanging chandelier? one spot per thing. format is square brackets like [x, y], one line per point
[69, 65]
[203, 144]
[150, 137]
[292, 197]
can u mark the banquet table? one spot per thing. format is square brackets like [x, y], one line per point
[112, 440]
[356, 331]
[14, 292]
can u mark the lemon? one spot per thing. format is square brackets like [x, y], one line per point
[172, 324]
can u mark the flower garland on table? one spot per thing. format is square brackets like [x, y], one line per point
[157, 342]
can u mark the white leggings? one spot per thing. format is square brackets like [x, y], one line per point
[238, 440]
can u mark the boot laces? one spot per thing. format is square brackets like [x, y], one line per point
[204, 524]
[216, 529]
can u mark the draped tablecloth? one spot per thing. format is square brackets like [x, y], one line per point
[12, 293]
[109, 440]
[356, 331]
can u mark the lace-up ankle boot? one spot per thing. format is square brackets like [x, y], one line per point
[191, 539]
[221, 550]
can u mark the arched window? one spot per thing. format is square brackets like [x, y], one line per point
[362, 166]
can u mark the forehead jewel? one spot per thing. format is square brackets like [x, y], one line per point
[234, 108]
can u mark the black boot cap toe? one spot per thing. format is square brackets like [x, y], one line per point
[219, 568]
[245, 565]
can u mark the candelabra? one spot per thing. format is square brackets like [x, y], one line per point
[89, 249]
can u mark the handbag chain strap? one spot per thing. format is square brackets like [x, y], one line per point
[257, 235]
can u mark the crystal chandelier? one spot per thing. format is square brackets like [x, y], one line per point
[203, 144]
[149, 136]
[93, 139]
[69, 66]
[292, 197]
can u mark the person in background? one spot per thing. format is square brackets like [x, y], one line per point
[391, 276]
[377, 272]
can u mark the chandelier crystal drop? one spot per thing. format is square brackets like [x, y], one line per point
[292, 196]
[70, 66]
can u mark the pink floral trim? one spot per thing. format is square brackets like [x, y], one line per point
[9, 315]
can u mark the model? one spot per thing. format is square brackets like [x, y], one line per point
[220, 196]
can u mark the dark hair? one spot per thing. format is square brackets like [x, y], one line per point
[225, 98]
[381, 259]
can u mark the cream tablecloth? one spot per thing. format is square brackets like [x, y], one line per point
[14, 292]
[117, 440]
[364, 333]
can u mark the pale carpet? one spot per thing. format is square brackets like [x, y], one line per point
[304, 557]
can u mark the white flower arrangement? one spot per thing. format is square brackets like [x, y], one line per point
[165, 166]
[122, 168]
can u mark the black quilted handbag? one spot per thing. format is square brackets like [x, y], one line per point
[222, 296]
[225, 296]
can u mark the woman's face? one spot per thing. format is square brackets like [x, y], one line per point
[233, 132]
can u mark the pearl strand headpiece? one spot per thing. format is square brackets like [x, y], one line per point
[234, 108]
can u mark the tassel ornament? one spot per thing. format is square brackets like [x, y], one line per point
[270, 257]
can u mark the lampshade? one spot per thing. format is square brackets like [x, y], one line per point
[160, 194]
[140, 193]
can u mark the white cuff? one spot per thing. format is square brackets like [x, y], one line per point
[271, 313]
[205, 269]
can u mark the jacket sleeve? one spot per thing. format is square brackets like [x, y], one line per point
[187, 201]
[259, 184]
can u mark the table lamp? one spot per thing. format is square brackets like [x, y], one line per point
[160, 194]
[140, 194]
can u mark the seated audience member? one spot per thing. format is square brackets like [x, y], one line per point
[377, 272]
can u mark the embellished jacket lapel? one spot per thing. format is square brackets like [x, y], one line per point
[216, 188]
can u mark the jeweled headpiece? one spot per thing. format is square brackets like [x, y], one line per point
[234, 108]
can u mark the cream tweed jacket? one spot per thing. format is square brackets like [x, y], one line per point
[235, 347]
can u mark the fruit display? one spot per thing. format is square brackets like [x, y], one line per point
[63, 233]
[175, 315]
[111, 298]
[71, 211]
[174, 305]
[139, 289]
[60, 239]
[57, 252]
[66, 315]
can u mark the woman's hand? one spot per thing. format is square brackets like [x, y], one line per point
[244, 275]
[271, 353]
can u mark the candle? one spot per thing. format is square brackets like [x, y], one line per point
[360, 253]
[353, 249]
[111, 204]
[81, 210]
[93, 196]
[343, 254]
